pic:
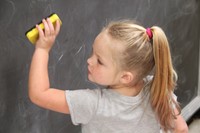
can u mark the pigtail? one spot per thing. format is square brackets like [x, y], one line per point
[164, 81]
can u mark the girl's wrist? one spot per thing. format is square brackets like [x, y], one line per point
[42, 50]
[43, 46]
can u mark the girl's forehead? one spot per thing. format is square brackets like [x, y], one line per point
[104, 39]
[102, 44]
[107, 47]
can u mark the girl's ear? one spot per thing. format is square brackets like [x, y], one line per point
[127, 77]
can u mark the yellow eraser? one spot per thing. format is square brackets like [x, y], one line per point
[33, 34]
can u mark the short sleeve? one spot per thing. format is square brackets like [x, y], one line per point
[82, 104]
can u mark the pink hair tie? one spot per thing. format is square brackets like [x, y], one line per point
[149, 33]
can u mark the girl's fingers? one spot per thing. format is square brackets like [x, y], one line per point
[51, 27]
[57, 28]
[46, 28]
[41, 33]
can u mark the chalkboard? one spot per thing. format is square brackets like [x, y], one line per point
[82, 21]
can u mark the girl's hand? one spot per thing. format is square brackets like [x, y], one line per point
[48, 36]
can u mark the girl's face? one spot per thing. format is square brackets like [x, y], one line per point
[101, 66]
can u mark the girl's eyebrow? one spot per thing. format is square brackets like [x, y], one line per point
[99, 56]
[93, 49]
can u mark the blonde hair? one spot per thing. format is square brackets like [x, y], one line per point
[143, 54]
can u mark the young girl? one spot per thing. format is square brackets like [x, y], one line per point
[124, 54]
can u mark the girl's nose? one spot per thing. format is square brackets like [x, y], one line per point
[89, 61]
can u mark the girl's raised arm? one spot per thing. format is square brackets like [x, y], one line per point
[40, 92]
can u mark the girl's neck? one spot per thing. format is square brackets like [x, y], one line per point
[128, 90]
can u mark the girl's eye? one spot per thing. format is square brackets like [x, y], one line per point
[99, 62]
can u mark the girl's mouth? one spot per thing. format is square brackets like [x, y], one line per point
[89, 72]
